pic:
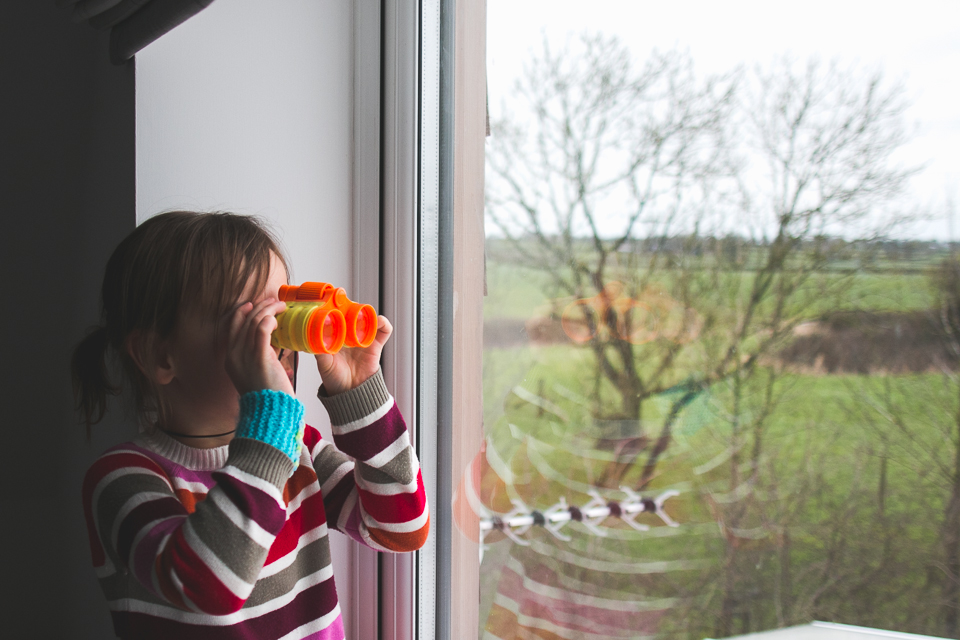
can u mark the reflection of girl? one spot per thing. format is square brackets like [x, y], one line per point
[213, 524]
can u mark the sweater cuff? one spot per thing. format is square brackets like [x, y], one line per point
[357, 403]
[261, 460]
[274, 418]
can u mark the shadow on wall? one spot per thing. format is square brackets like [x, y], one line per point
[67, 180]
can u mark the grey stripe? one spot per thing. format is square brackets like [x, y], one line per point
[116, 494]
[356, 403]
[400, 469]
[312, 558]
[327, 461]
[227, 541]
[260, 459]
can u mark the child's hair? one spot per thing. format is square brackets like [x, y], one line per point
[172, 263]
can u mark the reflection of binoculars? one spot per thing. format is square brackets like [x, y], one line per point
[320, 318]
[654, 315]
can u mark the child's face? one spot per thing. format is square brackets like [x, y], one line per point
[201, 388]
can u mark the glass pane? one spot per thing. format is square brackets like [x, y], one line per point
[722, 322]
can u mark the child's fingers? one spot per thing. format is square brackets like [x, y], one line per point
[384, 330]
[236, 320]
[251, 327]
[262, 335]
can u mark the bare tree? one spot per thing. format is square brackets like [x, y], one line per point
[919, 421]
[721, 196]
[596, 156]
[618, 182]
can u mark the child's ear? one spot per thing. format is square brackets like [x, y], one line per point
[151, 354]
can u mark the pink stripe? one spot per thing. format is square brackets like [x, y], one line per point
[571, 614]
[333, 632]
[352, 528]
[146, 552]
[367, 442]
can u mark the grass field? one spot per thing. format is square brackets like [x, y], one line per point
[520, 293]
[850, 486]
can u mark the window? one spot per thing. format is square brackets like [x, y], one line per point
[720, 354]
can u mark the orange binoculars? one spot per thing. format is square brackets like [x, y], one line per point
[320, 318]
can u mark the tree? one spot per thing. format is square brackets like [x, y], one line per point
[721, 197]
[919, 421]
[598, 162]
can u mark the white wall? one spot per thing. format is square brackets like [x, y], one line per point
[249, 107]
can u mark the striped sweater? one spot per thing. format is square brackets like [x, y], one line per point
[226, 543]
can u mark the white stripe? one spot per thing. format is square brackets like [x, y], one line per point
[143, 533]
[320, 444]
[132, 503]
[397, 527]
[394, 488]
[563, 632]
[365, 421]
[336, 477]
[154, 579]
[314, 626]
[172, 613]
[106, 481]
[255, 482]
[473, 498]
[285, 561]
[634, 605]
[192, 487]
[391, 452]
[237, 585]
[349, 504]
[245, 523]
[311, 489]
[663, 566]
[106, 569]
[178, 585]
[370, 542]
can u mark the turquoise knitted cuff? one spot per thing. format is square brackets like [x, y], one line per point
[272, 417]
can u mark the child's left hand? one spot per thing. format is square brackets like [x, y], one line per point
[349, 368]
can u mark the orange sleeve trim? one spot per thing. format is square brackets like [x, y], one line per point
[401, 542]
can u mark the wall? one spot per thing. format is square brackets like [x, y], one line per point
[250, 107]
[67, 193]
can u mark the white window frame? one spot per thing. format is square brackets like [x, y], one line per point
[431, 102]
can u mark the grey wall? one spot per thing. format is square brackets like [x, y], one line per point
[67, 196]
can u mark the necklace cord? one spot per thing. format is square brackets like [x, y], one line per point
[187, 435]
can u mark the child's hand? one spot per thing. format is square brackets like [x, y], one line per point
[349, 368]
[251, 362]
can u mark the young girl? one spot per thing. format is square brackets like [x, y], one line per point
[213, 523]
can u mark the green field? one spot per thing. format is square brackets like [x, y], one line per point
[837, 486]
[516, 292]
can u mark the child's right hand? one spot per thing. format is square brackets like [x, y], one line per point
[251, 361]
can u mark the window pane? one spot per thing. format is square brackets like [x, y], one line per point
[722, 323]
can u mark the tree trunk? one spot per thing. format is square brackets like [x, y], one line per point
[951, 546]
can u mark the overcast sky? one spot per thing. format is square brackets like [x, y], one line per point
[917, 43]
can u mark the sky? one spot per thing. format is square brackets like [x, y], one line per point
[915, 43]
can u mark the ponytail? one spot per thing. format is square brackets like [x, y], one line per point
[172, 262]
[91, 380]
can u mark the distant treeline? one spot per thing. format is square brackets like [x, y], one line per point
[743, 251]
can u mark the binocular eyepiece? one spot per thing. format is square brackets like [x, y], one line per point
[320, 318]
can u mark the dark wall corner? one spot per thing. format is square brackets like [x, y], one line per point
[67, 181]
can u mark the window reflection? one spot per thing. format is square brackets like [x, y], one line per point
[720, 354]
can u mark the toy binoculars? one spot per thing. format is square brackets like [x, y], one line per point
[320, 318]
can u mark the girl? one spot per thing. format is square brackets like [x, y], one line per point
[213, 523]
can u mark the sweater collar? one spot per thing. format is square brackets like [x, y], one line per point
[188, 457]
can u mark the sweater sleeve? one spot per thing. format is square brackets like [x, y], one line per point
[371, 482]
[206, 561]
